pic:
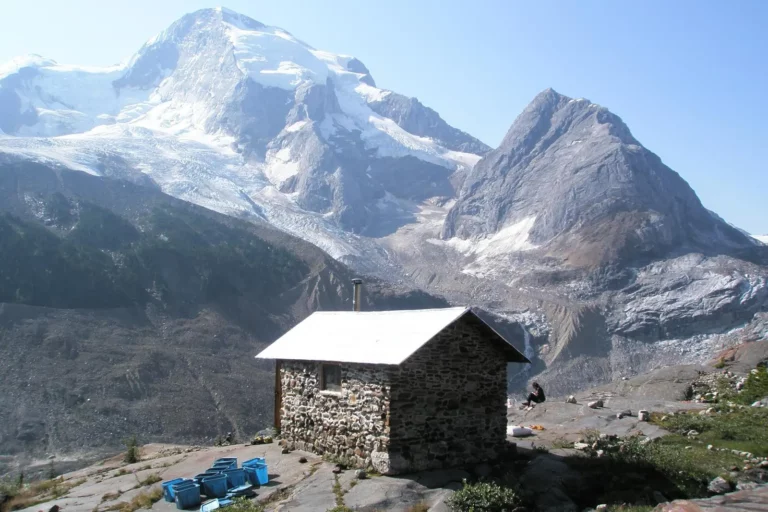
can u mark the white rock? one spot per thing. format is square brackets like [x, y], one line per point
[601, 507]
[719, 486]
[570, 400]
[580, 446]
[644, 415]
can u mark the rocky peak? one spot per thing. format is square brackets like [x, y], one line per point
[584, 188]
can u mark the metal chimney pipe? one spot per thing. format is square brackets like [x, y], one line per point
[356, 295]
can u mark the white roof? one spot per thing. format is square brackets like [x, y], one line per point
[372, 337]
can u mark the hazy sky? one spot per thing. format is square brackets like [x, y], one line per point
[689, 77]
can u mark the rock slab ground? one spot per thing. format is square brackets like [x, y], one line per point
[294, 486]
[751, 500]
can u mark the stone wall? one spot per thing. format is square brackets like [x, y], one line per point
[448, 401]
[444, 407]
[351, 424]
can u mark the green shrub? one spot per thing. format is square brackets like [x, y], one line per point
[150, 479]
[755, 388]
[132, 450]
[245, 505]
[485, 497]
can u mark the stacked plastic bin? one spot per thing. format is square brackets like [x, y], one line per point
[219, 484]
[186, 494]
[256, 471]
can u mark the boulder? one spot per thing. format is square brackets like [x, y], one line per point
[624, 414]
[595, 405]
[746, 486]
[360, 474]
[719, 485]
[570, 400]
[644, 416]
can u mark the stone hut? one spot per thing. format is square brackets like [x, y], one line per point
[398, 391]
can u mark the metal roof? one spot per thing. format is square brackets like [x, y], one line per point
[371, 337]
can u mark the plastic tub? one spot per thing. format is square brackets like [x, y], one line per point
[187, 495]
[199, 478]
[261, 474]
[250, 475]
[253, 462]
[168, 490]
[215, 486]
[230, 460]
[235, 478]
[221, 466]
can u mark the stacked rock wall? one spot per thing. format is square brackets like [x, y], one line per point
[445, 406]
[350, 424]
[449, 401]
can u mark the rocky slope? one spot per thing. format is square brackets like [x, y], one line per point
[125, 311]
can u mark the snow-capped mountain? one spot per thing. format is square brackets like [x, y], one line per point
[571, 226]
[307, 123]
[761, 238]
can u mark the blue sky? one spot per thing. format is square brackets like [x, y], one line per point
[689, 77]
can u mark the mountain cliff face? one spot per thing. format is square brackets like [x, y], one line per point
[587, 191]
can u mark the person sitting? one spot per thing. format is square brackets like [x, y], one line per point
[536, 397]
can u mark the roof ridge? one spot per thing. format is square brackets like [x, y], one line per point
[399, 311]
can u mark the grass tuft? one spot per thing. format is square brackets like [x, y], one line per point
[144, 500]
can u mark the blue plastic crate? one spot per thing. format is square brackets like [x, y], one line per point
[250, 475]
[261, 474]
[235, 478]
[215, 486]
[243, 490]
[257, 474]
[230, 460]
[199, 478]
[254, 461]
[221, 466]
[187, 495]
[168, 490]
